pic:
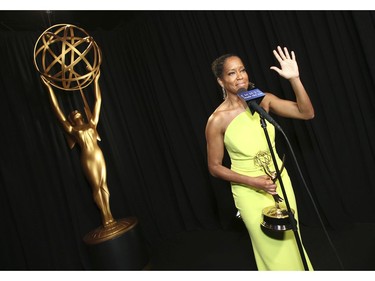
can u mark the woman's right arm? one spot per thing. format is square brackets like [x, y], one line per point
[215, 153]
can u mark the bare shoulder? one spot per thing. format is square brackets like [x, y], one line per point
[221, 117]
[216, 119]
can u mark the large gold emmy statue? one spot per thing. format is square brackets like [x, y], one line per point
[68, 59]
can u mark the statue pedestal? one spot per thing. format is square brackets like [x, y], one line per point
[118, 246]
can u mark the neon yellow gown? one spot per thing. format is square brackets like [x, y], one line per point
[244, 138]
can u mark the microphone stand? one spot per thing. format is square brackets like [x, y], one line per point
[290, 213]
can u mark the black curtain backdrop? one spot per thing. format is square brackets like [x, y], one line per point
[158, 91]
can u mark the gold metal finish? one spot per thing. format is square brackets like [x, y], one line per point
[69, 59]
[110, 231]
[86, 136]
[263, 159]
[274, 217]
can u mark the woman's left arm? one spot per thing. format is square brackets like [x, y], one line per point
[302, 108]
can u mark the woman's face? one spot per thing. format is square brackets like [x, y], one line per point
[234, 75]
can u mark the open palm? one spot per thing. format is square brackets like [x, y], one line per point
[288, 64]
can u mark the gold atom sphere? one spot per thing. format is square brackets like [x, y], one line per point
[67, 56]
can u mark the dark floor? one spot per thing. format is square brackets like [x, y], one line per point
[353, 249]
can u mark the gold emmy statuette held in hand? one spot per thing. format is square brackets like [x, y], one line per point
[274, 217]
[68, 59]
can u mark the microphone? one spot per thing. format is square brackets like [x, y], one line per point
[253, 97]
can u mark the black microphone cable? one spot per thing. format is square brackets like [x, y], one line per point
[312, 200]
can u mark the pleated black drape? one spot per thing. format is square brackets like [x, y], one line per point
[158, 91]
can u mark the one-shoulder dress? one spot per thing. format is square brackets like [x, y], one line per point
[244, 139]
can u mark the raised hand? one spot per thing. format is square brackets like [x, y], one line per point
[288, 63]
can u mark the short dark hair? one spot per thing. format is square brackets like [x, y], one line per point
[217, 65]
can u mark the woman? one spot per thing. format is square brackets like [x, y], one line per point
[233, 127]
[92, 158]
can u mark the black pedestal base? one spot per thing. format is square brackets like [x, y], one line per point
[124, 252]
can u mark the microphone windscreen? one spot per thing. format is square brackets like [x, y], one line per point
[254, 94]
